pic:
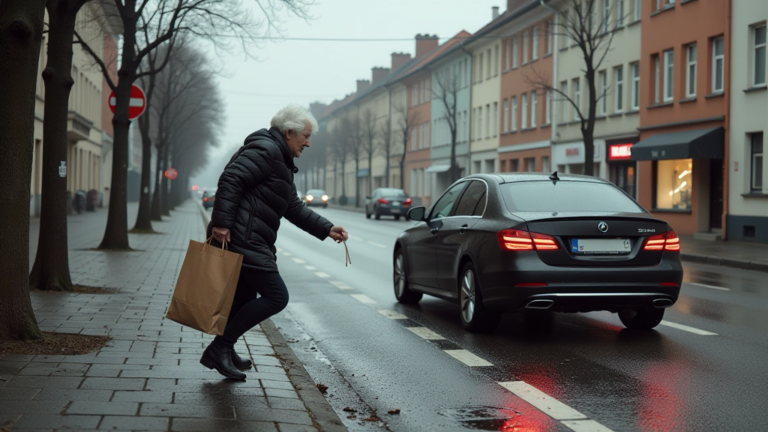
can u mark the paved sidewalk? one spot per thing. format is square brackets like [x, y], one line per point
[148, 377]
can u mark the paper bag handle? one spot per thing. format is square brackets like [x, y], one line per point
[224, 245]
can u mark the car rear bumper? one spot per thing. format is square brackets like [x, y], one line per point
[392, 211]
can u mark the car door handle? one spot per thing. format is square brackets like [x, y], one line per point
[463, 228]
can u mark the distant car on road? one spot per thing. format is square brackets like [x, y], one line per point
[316, 197]
[209, 197]
[387, 202]
[510, 242]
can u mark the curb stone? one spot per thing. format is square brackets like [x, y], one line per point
[706, 259]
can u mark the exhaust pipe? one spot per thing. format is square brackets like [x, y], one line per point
[662, 303]
[540, 304]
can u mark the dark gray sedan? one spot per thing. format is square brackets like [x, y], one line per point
[567, 243]
[387, 202]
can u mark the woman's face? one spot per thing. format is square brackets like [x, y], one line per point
[297, 142]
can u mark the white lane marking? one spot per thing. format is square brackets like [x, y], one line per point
[392, 314]
[310, 268]
[542, 401]
[688, 329]
[298, 260]
[425, 333]
[708, 286]
[377, 244]
[586, 426]
[340, 285]
[287, 254]
[278, 249]
[354, 237]
[322, 275]
[467, 358]
[362, 298]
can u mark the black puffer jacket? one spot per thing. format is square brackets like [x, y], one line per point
[255, 190]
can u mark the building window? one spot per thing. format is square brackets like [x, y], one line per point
[545, 163]
[619, 71]
[603, 104]
[690, 71]
[488, 120]
[524, 114]
[619, 13]
[506, 115]
[530, 164]
[534, 107]
[637, 9]
[656, 80]
[718, 64]
[606, 16]
[496, 60]
[479, 123]
[503, 167]
[577, 98]
[635, 85]
[480, 69]
[758, 58]
[507, 53]
[535, 49]
[549, 37]
[669, 75]
[488, 72]
[548, 107]
[514, 52]
[756, 183]
[514, 113]
[674, 184]
[514, 165]
[495, 118]
[525, 47]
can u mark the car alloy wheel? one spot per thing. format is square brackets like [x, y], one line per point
[475, 317]
[400, 278]
[468, 296]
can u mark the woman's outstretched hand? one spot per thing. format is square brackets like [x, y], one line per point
[338, 234]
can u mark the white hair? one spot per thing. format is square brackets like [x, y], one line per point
[294, 118]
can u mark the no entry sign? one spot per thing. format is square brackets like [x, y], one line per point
[136, 106]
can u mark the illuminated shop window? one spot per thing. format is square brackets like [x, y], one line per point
[674, 184]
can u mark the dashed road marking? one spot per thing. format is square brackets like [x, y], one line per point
[355, 238]
[542, 401]
[585, 426]
[425, 333]
[322, 275]
[340, 285]
[708, 286]
[362, 298]
[310, 268]
[298, 260]
[467, 358]
[392, 314]
[278, 249]
[688, 329]
[287, 254]
[377, 244]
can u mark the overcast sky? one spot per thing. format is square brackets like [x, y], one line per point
[312, 70]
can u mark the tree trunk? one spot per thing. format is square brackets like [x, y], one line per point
[156, 213]
[588, 129]
[143, 219]
[165, 207]
[51, 269]
[386, 168]
[357, 182]
[21, 31]
[343, 183]
[370, 173]
[402, 160]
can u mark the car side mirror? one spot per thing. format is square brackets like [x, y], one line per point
[416, 214]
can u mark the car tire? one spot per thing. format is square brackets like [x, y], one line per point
[641, 319]
[403, 294]
[376, 214]
[475, 317]
[367, 215]
[325, 205]
[397, 217]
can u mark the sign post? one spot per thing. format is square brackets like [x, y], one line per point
[136, 106]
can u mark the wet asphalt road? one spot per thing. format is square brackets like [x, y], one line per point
[708, 375]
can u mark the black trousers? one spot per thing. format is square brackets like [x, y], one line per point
[259, 295]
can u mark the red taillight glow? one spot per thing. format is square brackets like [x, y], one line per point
[383, 201]
[667, 242]
[205, 199]
[519, 240]
[672, 284]
[407, 202]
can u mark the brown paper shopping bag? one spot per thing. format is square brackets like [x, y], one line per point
[205, 287]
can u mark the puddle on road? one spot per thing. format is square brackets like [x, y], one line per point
[487, 418]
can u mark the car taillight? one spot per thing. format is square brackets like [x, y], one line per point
[407, 202]
[205, 199]
[518, 240]
[383, 201]
[668, 241]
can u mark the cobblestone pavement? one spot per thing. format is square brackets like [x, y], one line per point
[148, 377]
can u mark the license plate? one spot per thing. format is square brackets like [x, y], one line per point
[395, 203]
[601, 246]
[394, 210]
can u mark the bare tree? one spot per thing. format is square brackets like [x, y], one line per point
[369, 134]
[577, 22]
[141, 19]
[406, 122]
[21, 32]
[339, 148]
[446, 93]
[386, 146]
[351, 125]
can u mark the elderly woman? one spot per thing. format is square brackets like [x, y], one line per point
[255, 190]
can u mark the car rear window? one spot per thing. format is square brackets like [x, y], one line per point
[392, 192]
[565, 196]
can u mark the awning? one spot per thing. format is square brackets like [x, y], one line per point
[437, 168]
[696, 144]
[363, 172]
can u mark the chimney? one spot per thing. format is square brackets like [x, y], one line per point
[378, 73]
[495, 13]
[317, 108]
[425, 43]
[398, 60]
[362, 85]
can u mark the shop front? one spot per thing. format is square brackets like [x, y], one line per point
[681, 178]
[622, 170]
[569, 158]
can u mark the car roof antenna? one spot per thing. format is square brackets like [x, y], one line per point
[554, 177]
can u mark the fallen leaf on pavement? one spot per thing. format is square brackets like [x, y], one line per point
[394, 411]
[372, 419]
[348, 409]
[322, 387]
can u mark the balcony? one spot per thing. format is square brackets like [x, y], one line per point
[78, 127]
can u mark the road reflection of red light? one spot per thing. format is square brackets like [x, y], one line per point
[660, 403]
[542, 377]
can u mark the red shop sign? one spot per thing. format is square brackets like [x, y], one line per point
[620, 151]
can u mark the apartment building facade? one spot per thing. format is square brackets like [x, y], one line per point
[685, 58]
[747, 192]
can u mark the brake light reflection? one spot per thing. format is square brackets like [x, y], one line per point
[383, 201]
[517, 240]
[668, 241]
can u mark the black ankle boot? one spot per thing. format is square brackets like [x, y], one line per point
[220, 358]
[240, 362]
